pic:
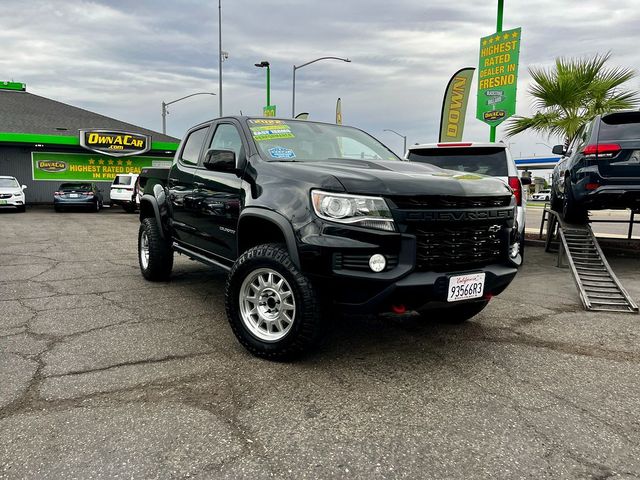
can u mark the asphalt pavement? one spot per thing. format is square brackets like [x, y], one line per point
[105, 375]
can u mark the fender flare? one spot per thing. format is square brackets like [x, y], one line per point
[281, 222]
[158, 203]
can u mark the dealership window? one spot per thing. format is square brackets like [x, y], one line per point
[192, 146]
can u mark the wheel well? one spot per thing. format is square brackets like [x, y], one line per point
[253, 231]
[146, 210]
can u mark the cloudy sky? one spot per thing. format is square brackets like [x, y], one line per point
[123, 58]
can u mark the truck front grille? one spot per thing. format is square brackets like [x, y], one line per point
[449, 202]
[458, 247]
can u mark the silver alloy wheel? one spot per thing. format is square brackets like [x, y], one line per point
[267, 305]
[144, 250]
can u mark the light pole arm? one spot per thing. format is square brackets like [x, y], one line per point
[187, 96]
[296, 67]
[321, 58]
[404, 138]
[166, 104]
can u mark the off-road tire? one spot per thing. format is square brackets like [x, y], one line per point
[454, 315]
[305, 331]
[160, 261]
[572, 212]
[555, 203]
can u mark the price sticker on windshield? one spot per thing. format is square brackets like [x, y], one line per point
[464, 287]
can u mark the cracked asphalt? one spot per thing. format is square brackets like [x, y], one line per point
[105, 375]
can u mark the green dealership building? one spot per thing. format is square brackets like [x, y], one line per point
[44, 143]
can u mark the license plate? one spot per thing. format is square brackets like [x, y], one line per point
[74, 195]
[464, 287]
[119, 190]
[3, 202]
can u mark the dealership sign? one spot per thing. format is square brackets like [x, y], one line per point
[58, 166]
[498, 76]
[454, 105]
[115, 143]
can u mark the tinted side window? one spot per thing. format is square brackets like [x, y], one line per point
[227, 138]
[193, 145]
[484, 161]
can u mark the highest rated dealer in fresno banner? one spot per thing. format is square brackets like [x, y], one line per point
[58, 166]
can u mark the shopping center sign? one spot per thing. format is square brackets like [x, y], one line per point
[498, 76]
[115, 143]
[57, 166]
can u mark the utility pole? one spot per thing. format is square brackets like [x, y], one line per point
[220, 57]
[492, 128]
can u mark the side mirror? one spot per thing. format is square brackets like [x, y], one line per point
[220, 160]
[525, 180]
[558, 150]
[23, 187]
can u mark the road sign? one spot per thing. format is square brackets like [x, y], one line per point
[269, 111]
[498, 76]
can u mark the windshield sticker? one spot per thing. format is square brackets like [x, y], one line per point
[272, 132]
[265, 121]
[281, 152]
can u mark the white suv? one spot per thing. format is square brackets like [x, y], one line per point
[492, 159]
[12, 193]
[123, 191]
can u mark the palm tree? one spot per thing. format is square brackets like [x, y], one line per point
[570, 95]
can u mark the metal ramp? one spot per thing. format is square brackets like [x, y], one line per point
[598, 286]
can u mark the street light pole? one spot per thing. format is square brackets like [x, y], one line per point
[220, 57]
[293, 89]
[404, 137]
[166, 104]
[262, 65]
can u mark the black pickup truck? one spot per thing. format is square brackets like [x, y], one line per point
[305, 214]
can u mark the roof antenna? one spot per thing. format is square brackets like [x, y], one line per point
[241, 114]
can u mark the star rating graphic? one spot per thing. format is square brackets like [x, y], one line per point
[110, 162]
[119, 162]
[101, 162]
[129, 162]
[92, 161]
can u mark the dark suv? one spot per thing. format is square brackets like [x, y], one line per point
[305, 214]
[601, 169]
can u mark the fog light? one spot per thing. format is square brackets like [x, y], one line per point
[515, 249]
[377, 262]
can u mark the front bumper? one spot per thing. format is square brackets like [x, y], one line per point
[359, 290]
[12, 201]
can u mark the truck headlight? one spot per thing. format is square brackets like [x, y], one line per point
[359, 210]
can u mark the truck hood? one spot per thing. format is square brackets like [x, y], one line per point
[383, 177]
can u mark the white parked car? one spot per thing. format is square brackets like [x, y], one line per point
[12, 193]
[492, 159]
[123, 191]
[542, 196]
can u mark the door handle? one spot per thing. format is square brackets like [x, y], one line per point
[198, 184]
